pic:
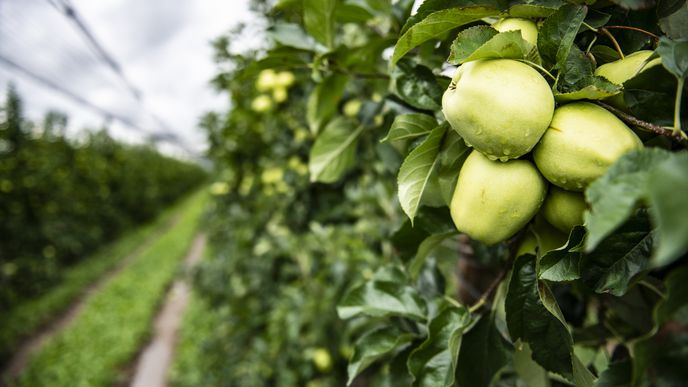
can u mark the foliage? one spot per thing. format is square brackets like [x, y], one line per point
[423, 302]
[24, 319]
[60, 199]
[114, 323]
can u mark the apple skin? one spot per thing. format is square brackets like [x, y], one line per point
[582, 142]
[529, 30]
[563, 209]
[500, 107]
[622, 70]
[493, 200]
[548, 238]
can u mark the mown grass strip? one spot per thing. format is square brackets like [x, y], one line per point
[116, 321]
[23, 320]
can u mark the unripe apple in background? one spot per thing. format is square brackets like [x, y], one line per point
[261, 104]
[500, 107]
[284, 79]
[266, 80]
[493, 199]
[563, 209]
[529, 31]
[624, 69]
[279, 94]
[582, 142]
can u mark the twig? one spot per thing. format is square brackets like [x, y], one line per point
[488, 293]
[648, 33]
[679, 137]
[614, 42]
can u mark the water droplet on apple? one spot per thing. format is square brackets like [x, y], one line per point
[491, 157]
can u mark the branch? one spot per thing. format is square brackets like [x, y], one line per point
[488, 293]
[660, 130]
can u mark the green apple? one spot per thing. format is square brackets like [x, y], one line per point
[279, 94]
[563, 209]
[582, 142]
[261, 103]
[493, 200]
[266, 80]
[500, 107]
[528, 29]
[625, 69]
[543, 236]
[284, 79]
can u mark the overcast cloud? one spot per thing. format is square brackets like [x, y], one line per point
[162, 46]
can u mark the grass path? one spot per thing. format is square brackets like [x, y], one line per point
[108, 332]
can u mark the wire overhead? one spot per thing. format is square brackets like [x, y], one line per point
[99, 55]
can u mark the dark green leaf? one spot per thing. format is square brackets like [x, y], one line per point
[674, 54]
[618, 374]
[675, 305]
[484, 352]
[424, 249]
[416, 85]
[416, 170]
[530, 317]
[410, 126]
[598, 88]
[375, 345]
[453, 153]
[334, 150]
[433, 363]
[563, 264]
[436, 24]
[385, 295]
[541, 9]
[530, 372]
[469, 40]
[292, 35]
[634, 4]
[614, 196]
[558, 32]
[318, 18]
[323, 101]
[674, 23]
[666, 187]
[615, 262]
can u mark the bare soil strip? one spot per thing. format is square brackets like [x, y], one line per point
[156, 358]
[30, 346]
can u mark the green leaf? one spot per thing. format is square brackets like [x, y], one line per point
[318, 18]
[292, 35]
[323, 101]
[410, 126]
[530, 372]
[385, 295]
[563, 264]
[598, 88]
[433, 363]
[582, 377]
[436, 24]
[530, 11]
[666, 187]
[614, 196]
[484, 352]
[674, 306]
[416, 170]
[557, 33]
[424, 249]
[469, 40]
[530, 317]
[334, 150]
[618, 374]
[615, 262]
[416, 85]
[674, 54]
[674, 24]
[453, 153]
[375, 345]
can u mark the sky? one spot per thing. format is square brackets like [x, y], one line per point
[162, 46]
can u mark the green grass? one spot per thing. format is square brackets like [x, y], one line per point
[26, 318]
[114, 324]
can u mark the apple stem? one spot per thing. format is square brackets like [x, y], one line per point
[677, 107]
[538, 67]
[614, 42]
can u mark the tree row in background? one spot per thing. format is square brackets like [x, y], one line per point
[60, 199]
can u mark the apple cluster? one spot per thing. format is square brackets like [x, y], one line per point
[529, 156]
[275, 83]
